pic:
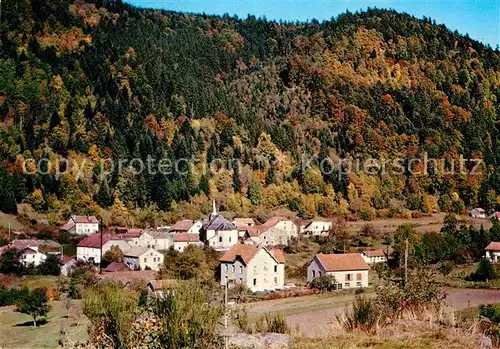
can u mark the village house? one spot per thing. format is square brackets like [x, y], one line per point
[81, 225]
[478, 213]
[34, 251]
[277, 231]
[493, 252]
[29, 255]
[131, 235]
[258, 268]
[142, 258]
[374, 256]
[218, 233]
[67, 265]
[157, 239]
[182, 240]
[187, 226]
[350, 270]
[249, 235]
[42, 246]
[316, 228]
[496, 215]
[243, 225]
[89, 249]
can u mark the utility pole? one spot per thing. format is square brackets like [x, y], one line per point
[406, 261]
[100, 260]
[225, 313]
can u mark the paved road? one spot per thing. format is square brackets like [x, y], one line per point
[312, 314]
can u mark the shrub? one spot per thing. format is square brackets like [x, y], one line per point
[485, 271]
[12, 296]
[324, 282]
[365, 316]
[110, 310]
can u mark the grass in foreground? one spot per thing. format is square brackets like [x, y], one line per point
[16, 330]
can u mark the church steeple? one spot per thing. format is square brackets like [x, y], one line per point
[214, 211]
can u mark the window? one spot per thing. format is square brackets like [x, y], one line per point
[347, 284]
[229, 239]
[359, 277]
[314, 273]
[225, 267]
[220, 238]
[225, 280]
[241, 269]
[348, 277]
[275, 280]
[339, 286]
[275, 268]
[358, 284]
[232, 267]
[254, 282]
[241, 281]
[255, 269]
[145, 259]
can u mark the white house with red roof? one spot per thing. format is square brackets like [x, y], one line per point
[188, 226]
[30, 255]
[143, 258]
[478, 212]
[81, 225]
[277, 231]
[89, 249]
[493, 251]
[258, 268]
[350, 269]
[374, 256]
[316, 228]
[182, 240]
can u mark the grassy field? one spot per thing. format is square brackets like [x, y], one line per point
[7, 220]
[67, 325]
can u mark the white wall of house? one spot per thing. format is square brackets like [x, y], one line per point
[195, 228]
[88, 254]
[262, 272]
[317, 229]
[151, 258]
[373, 259]
[279, 234]
[222, 239]
[66, 268]
[36, 258]
[493, 256]
[345, 279]
[86, 228]
[181, 245]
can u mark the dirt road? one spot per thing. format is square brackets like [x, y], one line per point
[312, 314]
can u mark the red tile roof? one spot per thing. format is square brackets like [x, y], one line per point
[278, 254]
[79, 220]
[183, 225]
[374, 253]
[115, 266]
[341, 262]
[271, 222]
[185, 237]
[247, 252]
[493, 246]
[244, 251]
[94, 240]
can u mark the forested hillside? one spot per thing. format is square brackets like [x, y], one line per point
[105, 80]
